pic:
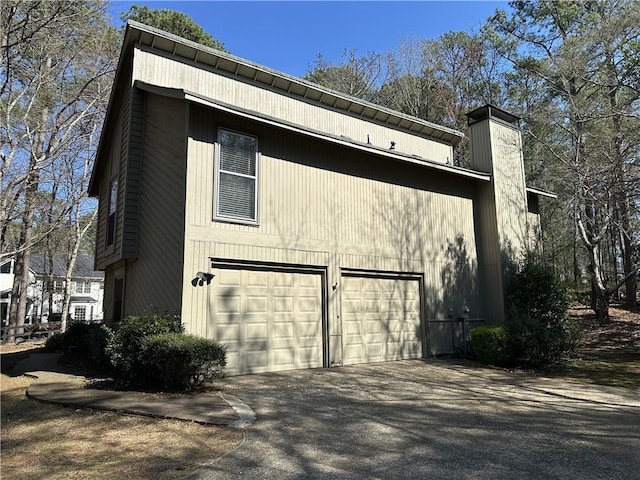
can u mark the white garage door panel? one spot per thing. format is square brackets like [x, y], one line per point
[381, 319]
[269, 320]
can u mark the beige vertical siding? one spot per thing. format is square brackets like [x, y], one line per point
[510, 190]
[324, 205]
[154, 280]
[114, 167]
[157, 69]
[502, 207]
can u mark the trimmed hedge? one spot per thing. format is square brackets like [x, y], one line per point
[490, 345]
[126, 346]
[145, 350]
[177, 361]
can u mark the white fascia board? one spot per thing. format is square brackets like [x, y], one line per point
[541, 193]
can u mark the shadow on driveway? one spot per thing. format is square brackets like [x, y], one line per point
[431, 420]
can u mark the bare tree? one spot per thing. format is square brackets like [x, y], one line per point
[358, 76]
[578, 54]
[58, 59]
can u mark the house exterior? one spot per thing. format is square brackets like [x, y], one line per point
[6, 286]
[45, 291]
[296, 225]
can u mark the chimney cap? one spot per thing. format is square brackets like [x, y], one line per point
[490, 111]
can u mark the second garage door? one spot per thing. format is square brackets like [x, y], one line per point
[269, 320]
[380, 319]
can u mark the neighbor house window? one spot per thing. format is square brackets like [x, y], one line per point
[113, 207]
[80, 313]
[236, 183]
[83, 287]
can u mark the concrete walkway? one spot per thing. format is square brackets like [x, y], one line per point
[55, 383]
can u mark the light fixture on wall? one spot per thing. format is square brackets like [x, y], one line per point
[201, 278]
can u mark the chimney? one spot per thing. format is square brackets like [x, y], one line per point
[501, 208]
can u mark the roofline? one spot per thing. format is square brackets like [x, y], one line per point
[541, 193]
[279, 123]
[355, 106]
[253, 70]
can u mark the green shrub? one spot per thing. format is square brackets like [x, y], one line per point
[86, 341]
[579, 297]
[490, 344]
[177, 361]
[126, 345]
[538, 330]
[55, 343]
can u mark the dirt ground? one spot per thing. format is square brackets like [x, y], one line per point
[620, 335]
[608, 352]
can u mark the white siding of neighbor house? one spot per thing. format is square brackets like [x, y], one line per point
[162, 70]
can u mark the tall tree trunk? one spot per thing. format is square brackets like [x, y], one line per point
[18, 307]
[621, 194]
[591, 240]
[19, 291]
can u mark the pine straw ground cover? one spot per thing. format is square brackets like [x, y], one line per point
[44, 441]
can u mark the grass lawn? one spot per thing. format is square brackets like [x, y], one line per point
[45, 441]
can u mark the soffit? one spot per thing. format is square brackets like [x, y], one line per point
[288, 84]
[280, 123]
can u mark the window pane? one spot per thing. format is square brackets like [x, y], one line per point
[237, 153]
[113, 196]
[237, 196]
[80, 313]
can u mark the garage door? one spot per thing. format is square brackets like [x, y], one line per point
[269, 320]
[381, 319]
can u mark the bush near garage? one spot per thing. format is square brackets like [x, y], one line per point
[127, 344]
[153, 351]
[490, 345]
[539, 332]
[86, 341]
[175, 361]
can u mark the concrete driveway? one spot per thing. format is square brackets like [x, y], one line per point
[430, 420]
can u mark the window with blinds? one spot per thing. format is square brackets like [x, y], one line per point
[113, 209]
[236, 176]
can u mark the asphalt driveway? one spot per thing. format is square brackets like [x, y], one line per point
[431, 420]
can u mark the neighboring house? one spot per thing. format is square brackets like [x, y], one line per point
[6, 286]
[294, 224]
[45, 292]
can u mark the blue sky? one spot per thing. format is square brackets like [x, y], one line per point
[287, 36]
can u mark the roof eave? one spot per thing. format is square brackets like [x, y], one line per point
[542, 193]
[193, 51]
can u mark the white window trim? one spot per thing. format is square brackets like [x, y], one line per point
[229, 218]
